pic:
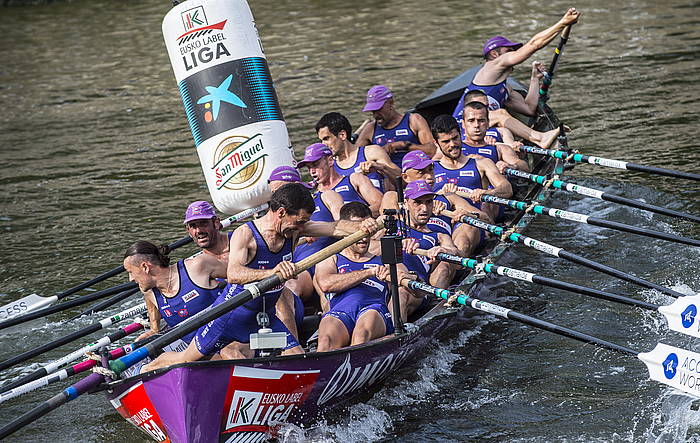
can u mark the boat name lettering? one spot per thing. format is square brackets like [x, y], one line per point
[347, 379]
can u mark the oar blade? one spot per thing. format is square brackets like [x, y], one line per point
[682, 315]
[23, 305]
[675, 367]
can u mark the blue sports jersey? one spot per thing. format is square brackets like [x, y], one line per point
[400, 132]
[376, 178]
[190, 300]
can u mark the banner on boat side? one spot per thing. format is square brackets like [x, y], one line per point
[229, 99]
[259, 400]
[135, 406]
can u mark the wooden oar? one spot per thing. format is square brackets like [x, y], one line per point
[666, 364]
[606, 162]
[561, 253]
[152, 349]
[680, 315]
[34, 301]
[109, 321]
[129, 288]
[590, 192]
[590, 220]
[17, 386]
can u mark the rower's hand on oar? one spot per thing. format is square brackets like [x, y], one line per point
[475, 194]
[146, 334]
[571, 17]
[434, 251]
[371, 226]
[286, 270]
[438, 207]
[538, 69]
[367, 167]
[410, 245]
[449, 188]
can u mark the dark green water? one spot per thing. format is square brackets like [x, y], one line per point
[96, 152]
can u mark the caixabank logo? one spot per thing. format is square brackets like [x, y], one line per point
[227, 96]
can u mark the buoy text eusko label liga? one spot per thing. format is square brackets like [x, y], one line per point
[229, 99]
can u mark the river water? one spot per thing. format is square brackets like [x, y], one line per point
[96, 152]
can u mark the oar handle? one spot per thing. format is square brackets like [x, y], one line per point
[565, 33]
[323, 254]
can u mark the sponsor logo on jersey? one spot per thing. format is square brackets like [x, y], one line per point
[402, 132]
[190, 295]
[466, 173]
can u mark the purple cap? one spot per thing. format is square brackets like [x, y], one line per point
[417, 189]
[286, 174]
[376, 97]
[497, 42]
[199, 210]
[415, 160]
[314, 152]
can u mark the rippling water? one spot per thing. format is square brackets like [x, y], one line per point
[96, 152]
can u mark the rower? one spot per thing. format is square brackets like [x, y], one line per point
[501, 56]
[355, 283]
[475, 125]
[172, 292]
[419, 234]
[260, 249]
[334, 131]
[472, 172]
[354, 187]
[397, 133]
[418, 166]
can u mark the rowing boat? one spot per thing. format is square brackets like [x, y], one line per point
[247, 400]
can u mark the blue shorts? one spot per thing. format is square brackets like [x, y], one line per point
[236, 325]
[349, 310]
[298, 311]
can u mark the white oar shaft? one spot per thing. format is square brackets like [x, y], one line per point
[34, 385]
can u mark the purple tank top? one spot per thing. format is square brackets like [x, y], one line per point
[497, 95]
[368, 291]
[347, 191]
[376, 178]
[490, 152]
[400, 132]
[190, 299]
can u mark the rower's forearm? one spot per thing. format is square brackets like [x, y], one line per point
[504, 190]
[542, 39]
[342, 282]
[241, 275]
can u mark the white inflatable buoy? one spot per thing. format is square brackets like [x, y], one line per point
[229, 99]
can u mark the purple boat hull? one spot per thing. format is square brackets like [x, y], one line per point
[247, 400]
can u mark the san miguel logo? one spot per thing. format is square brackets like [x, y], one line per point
[239, 162]
[201, 43]
[258, 400]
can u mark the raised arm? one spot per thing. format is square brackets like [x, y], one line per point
[538, 41]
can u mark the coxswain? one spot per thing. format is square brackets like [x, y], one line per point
[260, 249]
[355, 283]
[397, 133]
[334, 130]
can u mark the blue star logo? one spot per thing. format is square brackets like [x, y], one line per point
[670, 365]
[221, 94]
[688, 316]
